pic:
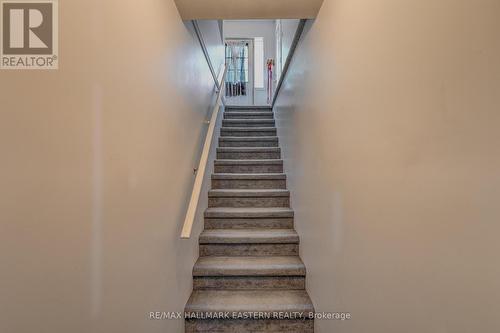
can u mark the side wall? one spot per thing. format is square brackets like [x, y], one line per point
[97, 168]
[390, 122]
[287, 29]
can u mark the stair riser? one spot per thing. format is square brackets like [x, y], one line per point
[283, 223]
[250, 282]
[236, 115]
[248, 184]
[249, 155]
[246, 326]
[240, 168]
[249, 202]
[257, 250]
[243, 123]
[243, 144]
[229, 132]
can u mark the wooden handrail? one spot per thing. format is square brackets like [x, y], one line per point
[200, 173]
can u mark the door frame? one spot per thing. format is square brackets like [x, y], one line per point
[251, 70]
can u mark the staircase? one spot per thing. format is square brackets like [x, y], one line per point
[249, 277]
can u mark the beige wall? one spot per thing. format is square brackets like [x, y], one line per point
[390, 123]
[96, 167]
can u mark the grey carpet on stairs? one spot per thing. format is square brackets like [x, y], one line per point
[249, 277]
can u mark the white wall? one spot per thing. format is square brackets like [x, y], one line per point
[97, 167]
[252, 29]
[214, 42]
[288, 30]
[389, 122]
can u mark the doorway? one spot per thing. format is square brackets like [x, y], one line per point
[240, 74]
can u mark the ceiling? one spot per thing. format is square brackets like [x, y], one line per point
[247, 9]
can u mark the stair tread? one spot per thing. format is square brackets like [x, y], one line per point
[248, 108]
[249, 129]
[250, 120]
[249, 176]
[237, 123]
[259, 113]
[249, 266]
[249, 193]
[249, 116]
[268, 161]
[248, 138]
[248, 212]
[249, 149]
[249, 236]
[266, 301]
